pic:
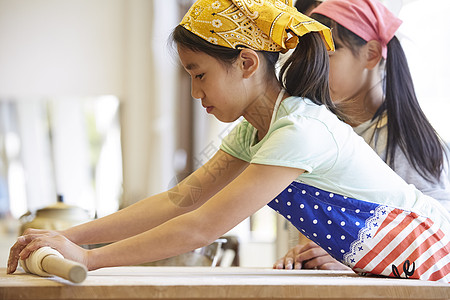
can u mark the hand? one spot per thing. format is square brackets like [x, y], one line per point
[309, 256]
[33, 239]
[288, 261]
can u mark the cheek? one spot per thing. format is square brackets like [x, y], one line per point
[337, 80]
[343, 79]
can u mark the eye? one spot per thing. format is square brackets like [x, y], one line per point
[200, 76]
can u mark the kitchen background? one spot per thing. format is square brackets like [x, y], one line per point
[94, 107]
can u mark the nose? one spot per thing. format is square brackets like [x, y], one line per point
[196, 91]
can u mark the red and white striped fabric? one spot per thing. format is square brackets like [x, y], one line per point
[369, 237]
[399, 243]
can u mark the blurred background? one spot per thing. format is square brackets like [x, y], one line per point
[95, 107]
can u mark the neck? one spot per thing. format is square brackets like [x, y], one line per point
[259, 112]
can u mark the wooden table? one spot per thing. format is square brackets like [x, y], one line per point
[217, 283]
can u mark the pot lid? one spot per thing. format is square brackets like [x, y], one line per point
[59, 205]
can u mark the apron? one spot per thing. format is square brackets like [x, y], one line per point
[368, 237]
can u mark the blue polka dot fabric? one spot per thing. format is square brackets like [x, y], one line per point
[328, 219]
[368, 237]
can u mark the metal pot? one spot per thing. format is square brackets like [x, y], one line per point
[58, 216]
[204, 256]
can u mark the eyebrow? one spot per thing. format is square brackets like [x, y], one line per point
[191, 66]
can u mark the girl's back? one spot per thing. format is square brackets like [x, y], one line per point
[308, 136]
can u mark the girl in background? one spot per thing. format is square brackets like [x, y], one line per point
[291, 152]
[371, 82]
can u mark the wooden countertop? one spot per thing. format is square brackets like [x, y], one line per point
[217, 283]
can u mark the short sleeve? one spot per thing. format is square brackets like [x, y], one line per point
[237, 142]
[299, 142]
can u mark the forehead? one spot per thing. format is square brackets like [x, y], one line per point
[192, 60]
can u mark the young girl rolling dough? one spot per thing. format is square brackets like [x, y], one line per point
[291, 152]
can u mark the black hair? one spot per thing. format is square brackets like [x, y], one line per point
[304, 5]
[407, 128]
[304, 74]
[186, 39]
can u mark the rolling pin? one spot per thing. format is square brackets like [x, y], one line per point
[48, 262]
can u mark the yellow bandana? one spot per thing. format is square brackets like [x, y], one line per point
[268, 25]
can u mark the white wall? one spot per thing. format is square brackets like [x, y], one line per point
[68, 47]
[63, 49]
[426, 48]
[148, 119]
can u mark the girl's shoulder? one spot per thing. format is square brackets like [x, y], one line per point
[302, 106]
[293, 103]
[302, 109]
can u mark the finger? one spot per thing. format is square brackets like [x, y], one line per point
[28, 238]
[279, 264]
[289, 259]
[285, 262]
[298, 261]
[17, 251]
[324, 262]
[14, 257]
[14, 254]
[37, 232]
[288, 263]
[32, 246]
[12, 265]
[298, 265]
[33, 231]
[20, 250]
[317, 262]
[310, 254]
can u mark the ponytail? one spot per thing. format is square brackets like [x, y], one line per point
[408, 127]
[305, 72]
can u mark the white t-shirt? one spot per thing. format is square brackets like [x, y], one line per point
[308, 136]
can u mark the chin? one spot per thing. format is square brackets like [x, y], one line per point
[226, 119]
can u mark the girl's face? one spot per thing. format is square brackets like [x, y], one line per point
[219, 87]
[347, 74]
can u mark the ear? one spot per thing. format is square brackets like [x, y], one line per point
[373, 54]
[249, 62]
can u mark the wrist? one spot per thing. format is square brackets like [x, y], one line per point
[70, 235]
[91, 260]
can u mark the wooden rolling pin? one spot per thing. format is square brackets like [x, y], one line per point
[48, 262]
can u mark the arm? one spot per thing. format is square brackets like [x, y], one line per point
[148, 213]
[252, 189]
[137, 218]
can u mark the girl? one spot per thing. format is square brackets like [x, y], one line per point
[377, 95]
[290, 152]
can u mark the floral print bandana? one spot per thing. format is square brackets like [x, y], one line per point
[261, 25]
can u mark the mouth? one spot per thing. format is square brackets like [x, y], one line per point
[208, 108]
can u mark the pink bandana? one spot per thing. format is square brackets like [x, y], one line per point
[368, 19]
